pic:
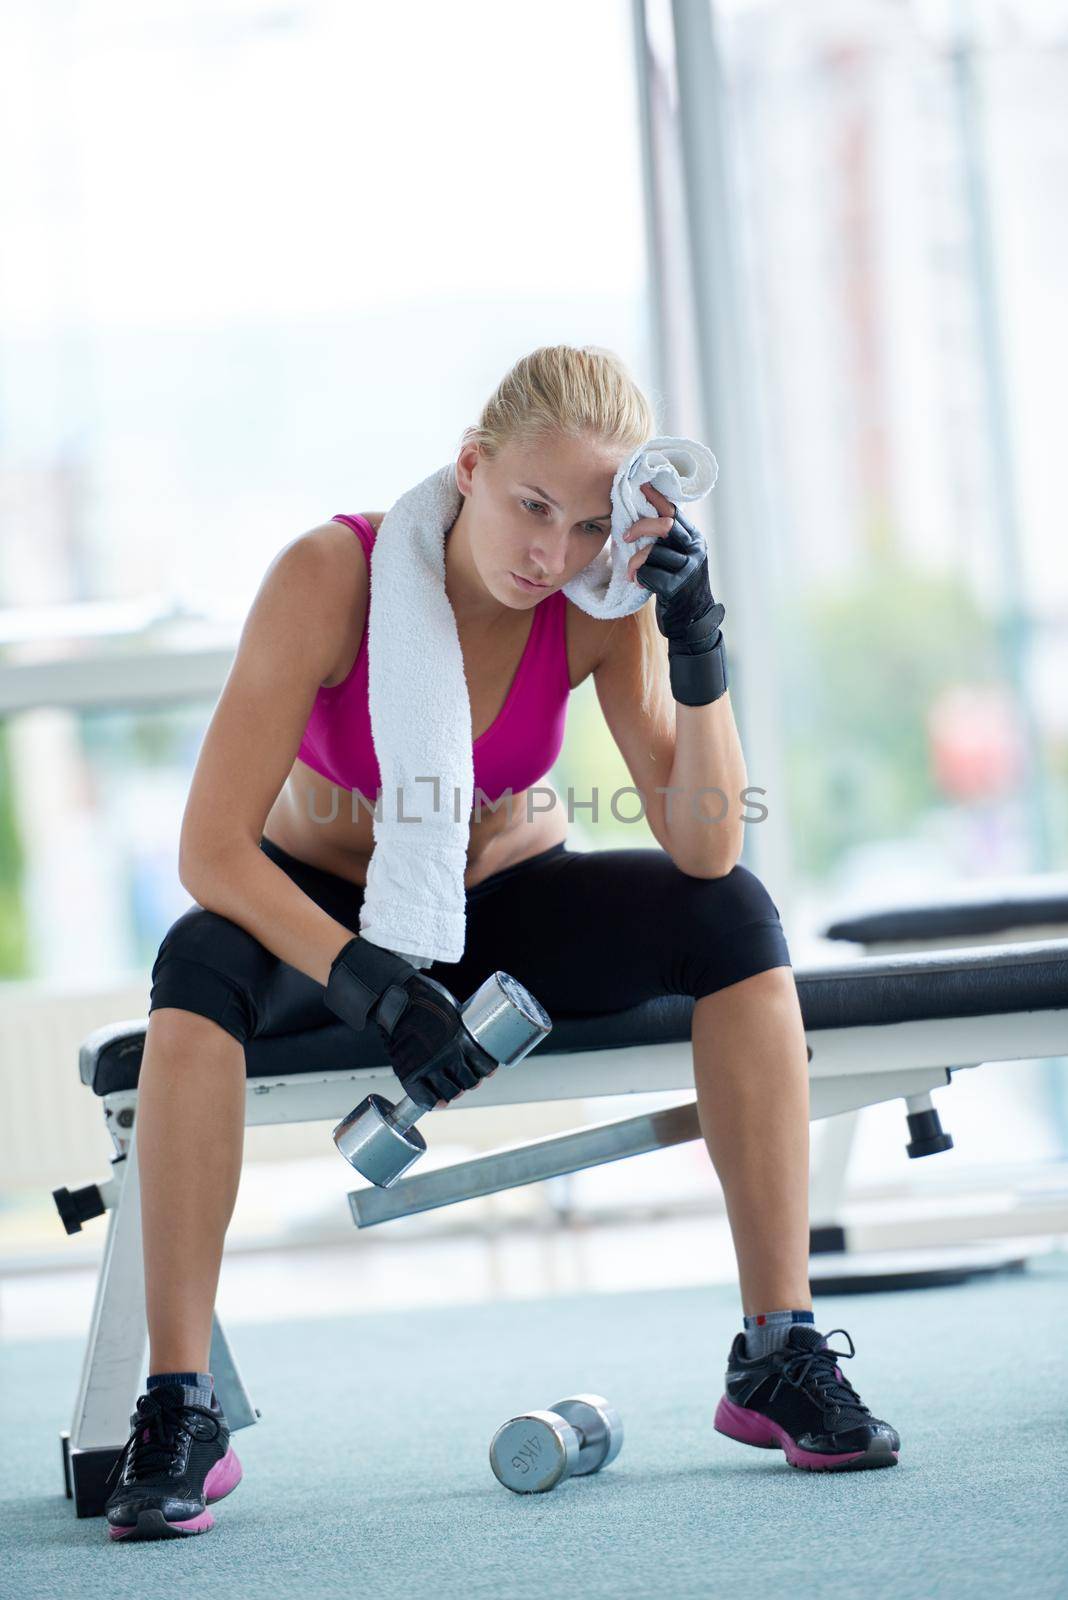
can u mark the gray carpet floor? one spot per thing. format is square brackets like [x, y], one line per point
[368, 1472]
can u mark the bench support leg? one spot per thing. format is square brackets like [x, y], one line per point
[115, 1352]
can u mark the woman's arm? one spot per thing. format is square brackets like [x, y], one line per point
[669, 766]
[708, 757]
[291, 641]
[247, 887]
[703, 804]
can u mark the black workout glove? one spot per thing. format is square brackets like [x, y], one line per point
[431, 1052]
[676, 571]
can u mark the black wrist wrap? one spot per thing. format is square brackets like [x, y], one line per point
[697, 663]
[360, 974]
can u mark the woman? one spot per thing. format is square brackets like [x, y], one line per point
[276, 865]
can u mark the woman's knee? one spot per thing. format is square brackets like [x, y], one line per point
[730, 929]
[180, 1034]
[209, 965]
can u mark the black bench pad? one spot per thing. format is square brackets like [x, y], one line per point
[962, 982]
[981, 909]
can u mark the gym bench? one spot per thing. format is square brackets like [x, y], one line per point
[877, 1029]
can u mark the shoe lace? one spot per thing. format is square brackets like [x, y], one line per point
[157, 1436]
[816, 1370]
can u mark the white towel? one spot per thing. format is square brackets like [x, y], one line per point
[420, 707]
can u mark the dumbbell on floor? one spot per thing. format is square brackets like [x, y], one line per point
[539, 1449]
[502, 1021]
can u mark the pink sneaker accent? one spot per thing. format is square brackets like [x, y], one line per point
[752, 1427]
[224, 1477]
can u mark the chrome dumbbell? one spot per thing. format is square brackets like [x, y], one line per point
[501, 1020]
[536, 1451]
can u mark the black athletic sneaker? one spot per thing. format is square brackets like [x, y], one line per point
[796, 1400]
[177, 1459]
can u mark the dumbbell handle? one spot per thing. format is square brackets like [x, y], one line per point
[405, 1112]
[581, 1433]
[408, 1111]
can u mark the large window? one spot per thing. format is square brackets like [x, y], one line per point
[903, 277]
[264, 264]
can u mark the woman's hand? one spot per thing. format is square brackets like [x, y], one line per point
[677, 571]
[645, 525]
[427, 1044]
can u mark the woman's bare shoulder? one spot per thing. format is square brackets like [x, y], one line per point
[348, 582]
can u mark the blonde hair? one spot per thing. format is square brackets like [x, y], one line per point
[577, 391]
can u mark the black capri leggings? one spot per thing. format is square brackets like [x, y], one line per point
[585, 930]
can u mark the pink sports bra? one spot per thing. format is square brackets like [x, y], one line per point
[514, 752]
